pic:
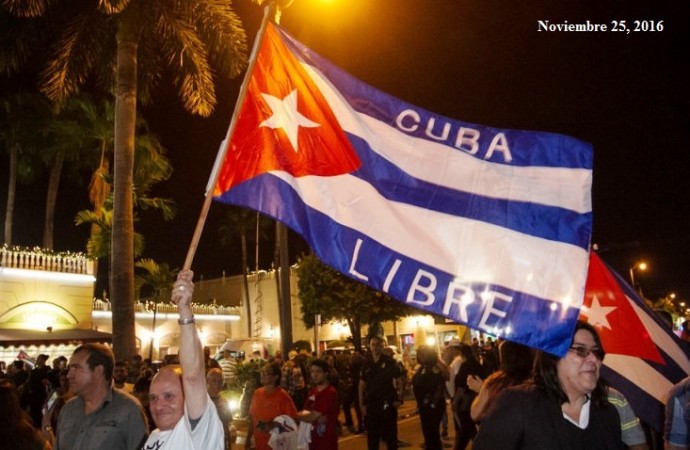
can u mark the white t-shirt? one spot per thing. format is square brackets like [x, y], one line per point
[207, 434]
[453, 370]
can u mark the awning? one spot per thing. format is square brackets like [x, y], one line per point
[37, 337]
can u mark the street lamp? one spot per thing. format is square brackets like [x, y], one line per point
[640, 265]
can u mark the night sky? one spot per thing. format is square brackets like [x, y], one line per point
[482, 62]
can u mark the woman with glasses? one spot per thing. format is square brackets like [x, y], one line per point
[268, 402]
[564, 407]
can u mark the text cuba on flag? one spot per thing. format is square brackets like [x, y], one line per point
[488, 227]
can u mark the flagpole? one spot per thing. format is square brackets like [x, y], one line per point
[283, 261]
[220, 157]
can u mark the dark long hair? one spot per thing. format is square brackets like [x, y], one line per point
[16, 429]
[427, 356]
[546, 373]
[466, 352]
[275, 369]
[517, 361]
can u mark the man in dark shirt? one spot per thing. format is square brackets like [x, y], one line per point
[17, 373]
[466, 429]
[38, 389]
[380, 395]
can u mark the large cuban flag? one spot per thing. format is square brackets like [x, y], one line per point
[644, 358]
[488, 227]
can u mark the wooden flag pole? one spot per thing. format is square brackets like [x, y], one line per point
[220, 157]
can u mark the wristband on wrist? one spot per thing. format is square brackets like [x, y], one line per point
[186, 321]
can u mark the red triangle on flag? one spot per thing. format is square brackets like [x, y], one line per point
[285, 123]
[608, 309]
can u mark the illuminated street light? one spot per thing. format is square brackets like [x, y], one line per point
[640, 265]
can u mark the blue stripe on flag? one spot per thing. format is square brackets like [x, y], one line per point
[548, 222]
[520, 317]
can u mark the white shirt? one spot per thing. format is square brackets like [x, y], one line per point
[453, 370]
[207, 434]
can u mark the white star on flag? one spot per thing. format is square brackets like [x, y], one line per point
[286, 116]
[596, 314]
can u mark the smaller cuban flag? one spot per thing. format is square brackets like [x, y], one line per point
[485, 226]
[23, 356]
[644, 358]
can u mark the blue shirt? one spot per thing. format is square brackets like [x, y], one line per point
[678, 414]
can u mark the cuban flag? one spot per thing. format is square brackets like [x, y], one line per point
[644, 358]
[23, 356]
[488, 227]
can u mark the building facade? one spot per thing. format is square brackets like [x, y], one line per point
[47, 306]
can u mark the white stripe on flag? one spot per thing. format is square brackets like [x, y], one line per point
[641, 374]
[661, 338]
[563, 187]
[474, 250]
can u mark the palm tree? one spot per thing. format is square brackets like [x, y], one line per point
[21, 120]
[99, 243]
[151, 167]
[156, 277]
[138, 38]
[71, 137]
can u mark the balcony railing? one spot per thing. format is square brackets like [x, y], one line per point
[51, 262]
[163, 308]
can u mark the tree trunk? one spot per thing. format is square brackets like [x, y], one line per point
[51, 198]
[98, 192]
[284, 288]
[356, 330]
[11, 192]
[122, 246]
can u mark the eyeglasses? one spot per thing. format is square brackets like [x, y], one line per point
[584, 351]
[264, 372]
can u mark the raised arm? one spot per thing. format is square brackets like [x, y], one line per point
[481, 401]
[191, 353]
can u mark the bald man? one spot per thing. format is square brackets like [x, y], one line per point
[185, 416]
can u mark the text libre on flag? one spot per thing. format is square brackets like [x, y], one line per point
[488, 227]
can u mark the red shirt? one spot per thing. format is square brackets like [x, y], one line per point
[324, 435]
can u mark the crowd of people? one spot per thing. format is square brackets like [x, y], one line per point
[502, 395]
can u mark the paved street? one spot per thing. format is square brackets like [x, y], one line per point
[409, 431]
